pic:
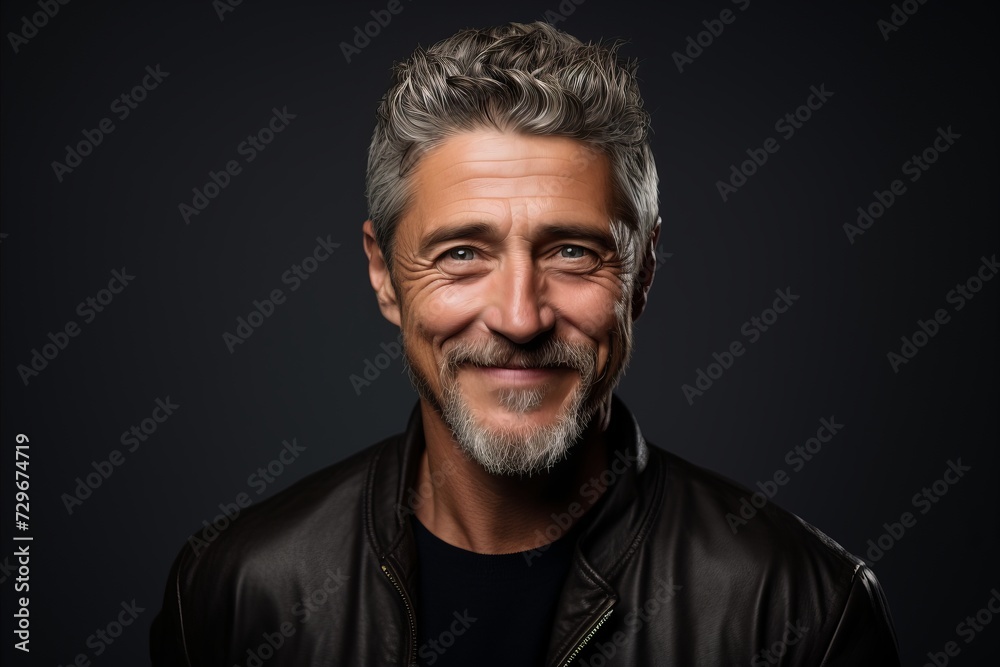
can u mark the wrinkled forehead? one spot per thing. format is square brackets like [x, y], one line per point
[513, 180]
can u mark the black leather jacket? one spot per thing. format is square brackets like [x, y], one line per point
[323, 574]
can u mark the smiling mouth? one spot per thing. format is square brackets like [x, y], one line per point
[519, 373]
[523, 368]
[515, 367]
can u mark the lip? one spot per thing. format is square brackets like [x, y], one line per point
[519, 375]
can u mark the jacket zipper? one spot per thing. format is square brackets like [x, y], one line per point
[591, 633]
[411, 657]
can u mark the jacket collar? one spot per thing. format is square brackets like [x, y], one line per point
[609, 535]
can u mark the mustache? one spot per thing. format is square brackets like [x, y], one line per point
[495, 351]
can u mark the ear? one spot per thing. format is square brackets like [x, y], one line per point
[647, 268]
[378, 273]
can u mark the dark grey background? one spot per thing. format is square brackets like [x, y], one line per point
[162, 336]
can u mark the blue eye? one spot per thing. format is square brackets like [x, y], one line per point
[461, 254]
[576, 252]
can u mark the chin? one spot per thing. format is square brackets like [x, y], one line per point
[512, 441]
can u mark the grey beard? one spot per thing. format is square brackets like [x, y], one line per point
[514, 452]
[504, 451]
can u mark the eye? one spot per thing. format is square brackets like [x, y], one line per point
[572, 258]
[462, 254]
[463, 261]
[573, 252]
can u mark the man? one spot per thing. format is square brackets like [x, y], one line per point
[521, 519]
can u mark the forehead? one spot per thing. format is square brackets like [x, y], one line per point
[508, 180]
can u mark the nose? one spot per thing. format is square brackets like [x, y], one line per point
[519, 309]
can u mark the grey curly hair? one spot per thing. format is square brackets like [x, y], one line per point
[522, 78]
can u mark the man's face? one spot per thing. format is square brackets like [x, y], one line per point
[512, 302]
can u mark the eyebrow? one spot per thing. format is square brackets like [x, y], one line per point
[486, 230]
[446, 234]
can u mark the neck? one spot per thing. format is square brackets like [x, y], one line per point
[470, 508]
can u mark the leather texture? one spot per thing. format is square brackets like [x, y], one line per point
[322, 574]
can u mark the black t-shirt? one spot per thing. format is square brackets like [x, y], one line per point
[485, 610]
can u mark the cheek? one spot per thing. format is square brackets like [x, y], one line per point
[591, 308]
[436, 313]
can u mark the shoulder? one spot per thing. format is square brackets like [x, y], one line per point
[741, 522]
[308, 537]
[766, 570]
[325, 505]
